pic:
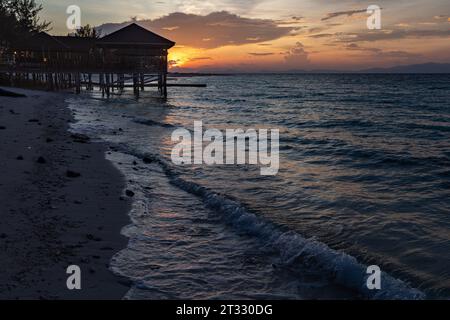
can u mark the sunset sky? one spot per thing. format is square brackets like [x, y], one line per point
[277, 35]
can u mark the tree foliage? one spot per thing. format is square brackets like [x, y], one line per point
[19, 19]
[87, 32]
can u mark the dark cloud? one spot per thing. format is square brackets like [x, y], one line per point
[380, 53]
[291, 21]
[316, 29]
[200, 58]
[347, 13]
[356, 47]
[261, 54]
[322, 35]
[173, 63]
[214, 30]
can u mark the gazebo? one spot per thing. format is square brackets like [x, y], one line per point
[131, 53]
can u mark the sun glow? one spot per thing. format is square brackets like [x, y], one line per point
[181, 56]
[178, 58]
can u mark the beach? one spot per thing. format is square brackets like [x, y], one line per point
[62, 204]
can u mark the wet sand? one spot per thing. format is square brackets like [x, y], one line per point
[62, 204]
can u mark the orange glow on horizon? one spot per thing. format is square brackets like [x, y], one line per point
[180, 56]
[177, 58]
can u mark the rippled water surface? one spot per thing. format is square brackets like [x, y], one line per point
[364, 179]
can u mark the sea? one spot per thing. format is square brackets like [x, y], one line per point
[364, 180]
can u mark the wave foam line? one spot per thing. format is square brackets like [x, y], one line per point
[293, 248]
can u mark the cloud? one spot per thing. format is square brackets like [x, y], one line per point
[200, 59]
[394, 34]
[427, 23]
[403, 25]
[173, 63]
[261, 54]
[323, 35]
[297, 57]
[214, 30]
[347, 13]
[204, 7]
[354, 46]
[380, 53]
[291, 21]
[400, 34]
[316, 29]
[171, 28]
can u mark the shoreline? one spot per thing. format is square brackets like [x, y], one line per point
[62, 204]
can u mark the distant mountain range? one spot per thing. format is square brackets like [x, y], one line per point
[414, 68]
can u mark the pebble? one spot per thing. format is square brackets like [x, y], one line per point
[147, 160]
[41, 160]
[72, 174]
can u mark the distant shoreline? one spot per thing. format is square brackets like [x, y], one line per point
[193, 75]
[425, 68]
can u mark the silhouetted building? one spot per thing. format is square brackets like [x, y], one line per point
[131, 53]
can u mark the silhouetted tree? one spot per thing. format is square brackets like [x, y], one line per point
[8, 24]
[19, 19]
[27, 15]
[87, 32]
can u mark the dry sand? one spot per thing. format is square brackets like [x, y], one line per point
[48, 219]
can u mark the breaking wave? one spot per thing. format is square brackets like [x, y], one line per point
[293, 248]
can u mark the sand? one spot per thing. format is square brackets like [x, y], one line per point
[51, 217]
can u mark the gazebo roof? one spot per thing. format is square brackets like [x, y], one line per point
[41, 41]
[134, 34]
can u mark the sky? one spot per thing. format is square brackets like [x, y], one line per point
[276, 35]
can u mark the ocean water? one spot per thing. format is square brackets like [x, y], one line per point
[364, 180]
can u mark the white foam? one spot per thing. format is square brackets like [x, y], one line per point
[293, 248]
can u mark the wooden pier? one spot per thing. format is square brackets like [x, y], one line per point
[132, 57]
